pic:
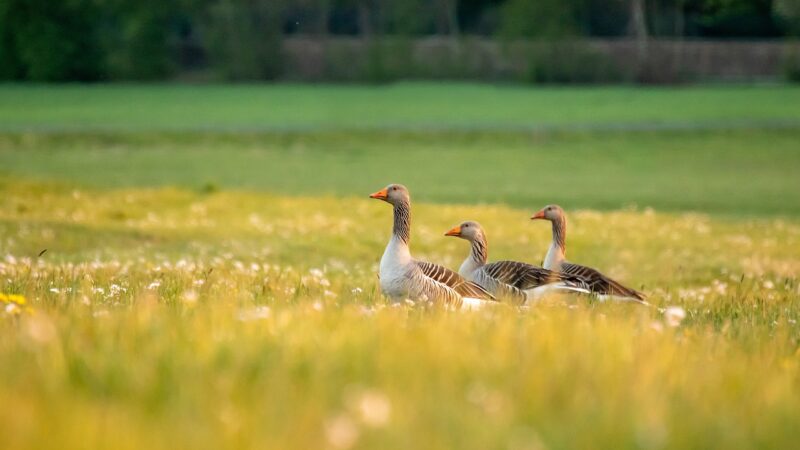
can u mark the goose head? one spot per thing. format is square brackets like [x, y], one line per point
[468, 230]
[392, 194]
[549, 212]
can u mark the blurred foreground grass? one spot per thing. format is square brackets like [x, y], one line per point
[167, 318]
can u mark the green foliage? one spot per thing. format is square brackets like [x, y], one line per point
[408, 17]
[84, 40]
[570, 62]
[137, 39]
[791, 64]
[243, 38]
[388, 60]
[50, 41]
[788, 14]
[540, 18]
[12, 67]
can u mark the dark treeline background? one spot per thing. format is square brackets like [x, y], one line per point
[88, 40]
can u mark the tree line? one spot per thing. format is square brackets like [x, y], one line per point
[88, 40]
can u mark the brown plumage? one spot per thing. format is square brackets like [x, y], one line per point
[517, 281]
[555, 259]
[455, 281]
[403, 277]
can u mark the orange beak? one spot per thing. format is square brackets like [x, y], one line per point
[383, 194]
[538, 215]
[455, 231]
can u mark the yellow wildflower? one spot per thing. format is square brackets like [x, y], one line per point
[12, 298]
[14, 304]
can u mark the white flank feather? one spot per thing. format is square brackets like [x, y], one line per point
[472, 304]
[552, 288]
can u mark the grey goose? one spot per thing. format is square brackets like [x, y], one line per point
[555, 260]
[518, 281]
[403, 277]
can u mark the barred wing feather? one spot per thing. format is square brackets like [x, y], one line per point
[598, 283]
[455, 281]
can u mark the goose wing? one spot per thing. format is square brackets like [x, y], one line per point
[526, 276]
[455, 281]
[598, 283]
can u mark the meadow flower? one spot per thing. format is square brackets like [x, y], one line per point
[40, 329]
[13, 299]
[372, 406]
[115, 290]
[674, 315]
[189, 297]
[341, 431]
[257, 313]
[490, 400]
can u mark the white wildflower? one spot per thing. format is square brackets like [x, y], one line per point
[373, 407]
[674, 315]
[189, 297]
[257, 313]
[116, 289]
[341, 432]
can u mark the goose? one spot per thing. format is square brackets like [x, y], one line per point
[514, 280]
[604, 287]
[403, 277]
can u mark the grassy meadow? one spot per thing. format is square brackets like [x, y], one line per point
[188, 285]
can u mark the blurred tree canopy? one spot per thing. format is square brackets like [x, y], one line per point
[84, 40]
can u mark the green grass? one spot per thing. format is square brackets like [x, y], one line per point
[417, 105]
[204, 288]
[721, 172]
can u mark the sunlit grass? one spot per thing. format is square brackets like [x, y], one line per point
[165, 318]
